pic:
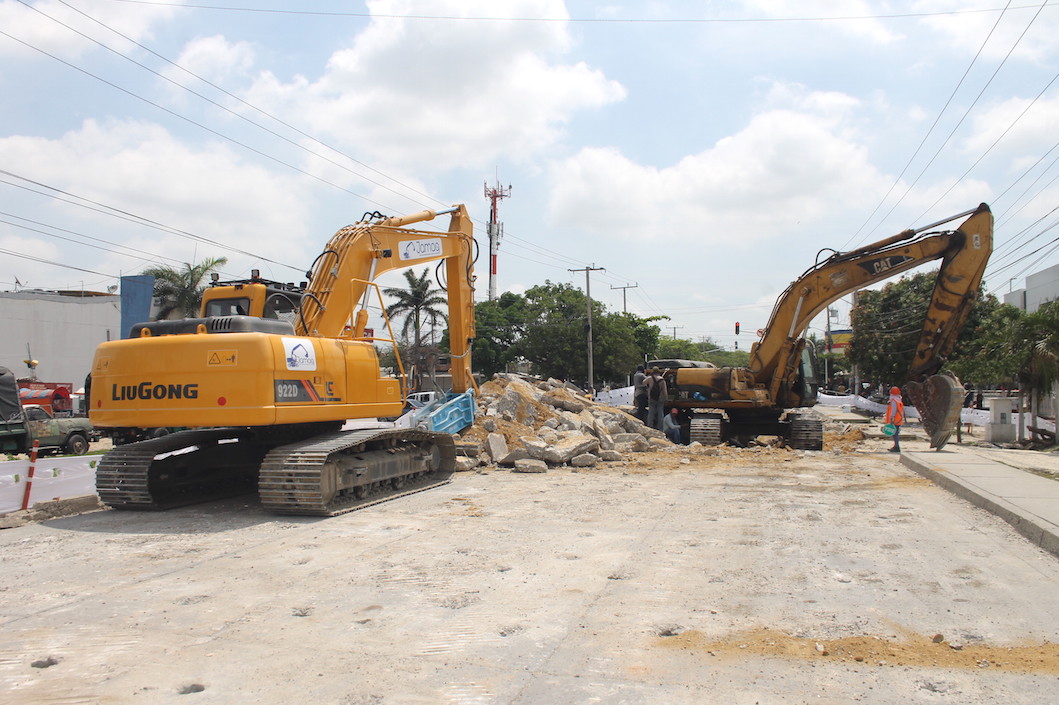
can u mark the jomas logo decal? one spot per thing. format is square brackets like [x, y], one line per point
[300, 354]
[418, 249]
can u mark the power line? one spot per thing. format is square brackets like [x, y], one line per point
[193, 122]
[57, 264]
[237, 142]
[234, 97]
[131, 217]
[929, 132]
[577, 20]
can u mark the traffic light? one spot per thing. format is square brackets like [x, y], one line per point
[737, 327]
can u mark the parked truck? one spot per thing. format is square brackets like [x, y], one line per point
[20, 424]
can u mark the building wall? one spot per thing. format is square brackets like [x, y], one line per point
[62, 332]
[1041, 288]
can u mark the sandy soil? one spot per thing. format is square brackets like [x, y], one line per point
[682, 576]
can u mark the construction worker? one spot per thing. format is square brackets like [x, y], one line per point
[895, 414]
[672, 428]
[657, 395]
[639, 393]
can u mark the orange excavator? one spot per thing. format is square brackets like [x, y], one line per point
[739, 403]
[267, 376]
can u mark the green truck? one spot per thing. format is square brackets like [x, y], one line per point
[21, 425]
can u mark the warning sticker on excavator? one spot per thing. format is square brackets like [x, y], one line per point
[221, 358]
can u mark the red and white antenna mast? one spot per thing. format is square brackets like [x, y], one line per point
[495, 230]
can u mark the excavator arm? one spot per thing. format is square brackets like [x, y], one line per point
[357, 254]
[964, 253]
[738, 403]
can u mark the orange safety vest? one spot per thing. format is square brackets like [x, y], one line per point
[895, 411]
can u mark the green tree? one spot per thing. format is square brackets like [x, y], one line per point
[1005, 349]
[499, 323]
[887, 323]
[419, 304]
[554, 338]
[615, 348]
[645, 333]
[178, 290]
[679, 349]
[1034, 344]
[728, 358]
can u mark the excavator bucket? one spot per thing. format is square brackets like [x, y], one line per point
[938, 401]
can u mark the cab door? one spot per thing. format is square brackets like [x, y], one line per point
[43, 427]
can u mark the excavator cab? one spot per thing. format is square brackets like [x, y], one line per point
[257, 297]
[807, 383]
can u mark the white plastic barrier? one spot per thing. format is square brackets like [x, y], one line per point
[978, 417]
[615, 397]
[53, 478]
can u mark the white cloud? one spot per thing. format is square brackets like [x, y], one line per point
[215, 59]
[966, 31]
[447, 93]
[787, 165]
[874, 30]
[1033, 133]
[53, 27]
[207, 191]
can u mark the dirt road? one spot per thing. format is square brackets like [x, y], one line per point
[761, 576]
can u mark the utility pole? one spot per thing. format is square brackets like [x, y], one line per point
[588, 326]
[827, 347]
[675, 331]
[856, 369]
[495, 229]
[624, 308]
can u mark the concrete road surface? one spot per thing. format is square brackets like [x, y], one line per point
[764, 576]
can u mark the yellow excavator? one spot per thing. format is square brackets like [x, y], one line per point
[736, 404]
[267, 376]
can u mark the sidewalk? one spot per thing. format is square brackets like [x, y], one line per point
[1012, 484]
[1001, 482]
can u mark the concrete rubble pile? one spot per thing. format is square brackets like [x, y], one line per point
[529, 426]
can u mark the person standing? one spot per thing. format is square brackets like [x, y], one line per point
[639, 393]
[656, 398]
[895, 414]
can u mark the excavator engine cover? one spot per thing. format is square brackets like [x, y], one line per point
[938, 401]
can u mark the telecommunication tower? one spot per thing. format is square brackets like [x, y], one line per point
[496, 231]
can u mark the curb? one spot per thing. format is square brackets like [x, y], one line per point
[1039, 532]
[52, 509]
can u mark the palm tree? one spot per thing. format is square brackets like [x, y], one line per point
[419, 305]
[179, 290]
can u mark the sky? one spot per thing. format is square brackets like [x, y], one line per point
[694, 156]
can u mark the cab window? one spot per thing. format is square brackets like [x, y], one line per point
[228, 307]
[281, 306]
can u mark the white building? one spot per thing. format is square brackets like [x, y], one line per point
[61, 330]
[1041, 288]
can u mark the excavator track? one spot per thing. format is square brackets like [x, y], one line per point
[342, 472]
[179, 469]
